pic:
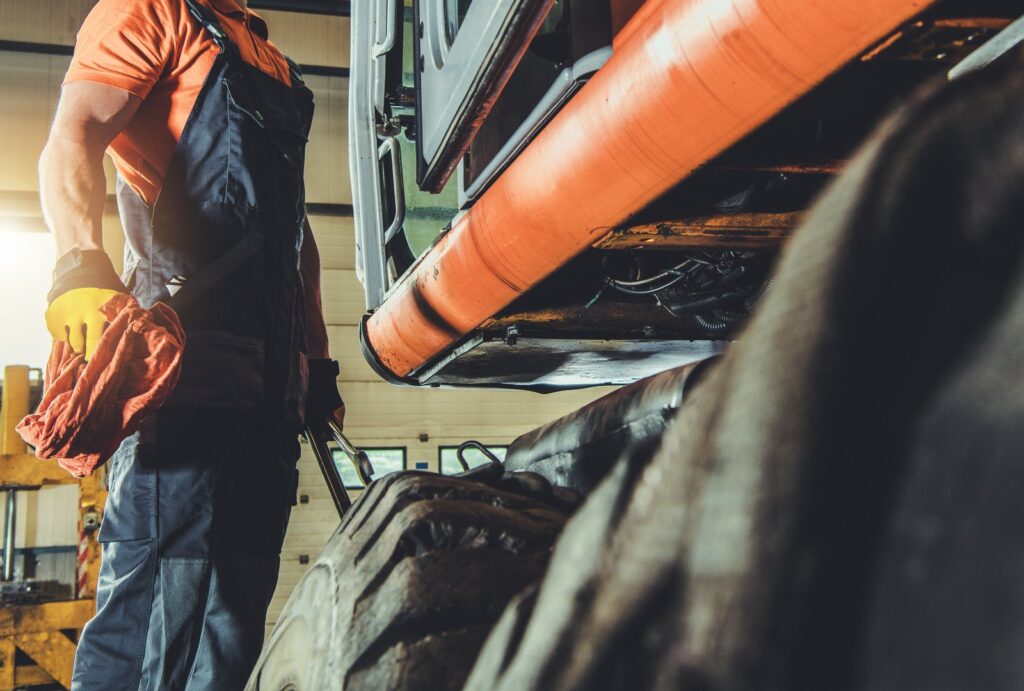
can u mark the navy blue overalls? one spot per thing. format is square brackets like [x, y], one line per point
[200, 498]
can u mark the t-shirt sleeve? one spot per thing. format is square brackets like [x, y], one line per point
[124, 43]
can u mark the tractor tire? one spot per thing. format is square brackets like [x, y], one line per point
[836, 506]
[412, 581]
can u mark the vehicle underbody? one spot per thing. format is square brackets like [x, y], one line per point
[675, 277]
[812, 480]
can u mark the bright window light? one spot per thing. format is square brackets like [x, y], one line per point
[384, 461]
[448, 458]
[26, 263]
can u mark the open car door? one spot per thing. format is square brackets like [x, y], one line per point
[466, 50]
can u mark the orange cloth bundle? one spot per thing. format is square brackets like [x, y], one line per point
[89, 408]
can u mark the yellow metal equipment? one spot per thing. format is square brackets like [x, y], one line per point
[39, 631]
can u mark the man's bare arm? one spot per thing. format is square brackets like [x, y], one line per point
[73, 190]
[309, 267]
[72, 185]
[323, 398]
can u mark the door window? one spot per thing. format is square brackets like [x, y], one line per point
[454, 14]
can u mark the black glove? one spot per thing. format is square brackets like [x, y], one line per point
[84, 269]
[322, 397]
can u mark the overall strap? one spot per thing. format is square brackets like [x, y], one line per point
[208, 20]
[296, 71]
[222, 267]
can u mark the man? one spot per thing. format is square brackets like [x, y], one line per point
[206, 122]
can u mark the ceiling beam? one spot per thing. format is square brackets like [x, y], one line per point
[36, 48]
[21, 208]
[66, 51]
[340, 8]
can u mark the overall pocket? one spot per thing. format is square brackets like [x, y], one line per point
[267, 145]
[220, 370]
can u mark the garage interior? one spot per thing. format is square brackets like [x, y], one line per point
[682, 337]
[401, 428]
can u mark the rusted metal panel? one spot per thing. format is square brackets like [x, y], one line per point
[947, 39]
[7, 667]
[30, 675]
[50, 616]
[25, 470]
[733, 231]
[36, 630]
[52, 651]
[831, 167]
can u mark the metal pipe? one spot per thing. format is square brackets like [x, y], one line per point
[688, 79]
[9, 525]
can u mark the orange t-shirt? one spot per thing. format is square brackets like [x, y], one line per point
[155, 50]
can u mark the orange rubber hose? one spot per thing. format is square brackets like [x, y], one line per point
[688, 79]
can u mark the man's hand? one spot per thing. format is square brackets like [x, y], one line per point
[338, 416]
[82, 283]
[76, 317]
[323, 401]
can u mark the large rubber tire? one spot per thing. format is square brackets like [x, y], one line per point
[836, 506]
[412, 582]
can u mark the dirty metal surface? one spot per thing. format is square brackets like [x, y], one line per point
[549, 363]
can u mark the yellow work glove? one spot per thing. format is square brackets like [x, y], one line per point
[75, 316]
[83, 281]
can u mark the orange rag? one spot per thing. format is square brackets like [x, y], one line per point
[89, 408]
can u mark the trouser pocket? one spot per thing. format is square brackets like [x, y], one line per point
[130, 512]
[203, 482]
[264, 492]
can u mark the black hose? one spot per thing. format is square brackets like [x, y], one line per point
[751, 302]
[710, 325]
[729, 317]
[707, 301]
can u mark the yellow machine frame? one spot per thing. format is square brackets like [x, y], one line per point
[39, 630]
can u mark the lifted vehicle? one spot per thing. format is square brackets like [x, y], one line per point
[548, 195]
[601, 192]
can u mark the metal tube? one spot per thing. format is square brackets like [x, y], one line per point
[11, 515]
[687, 80]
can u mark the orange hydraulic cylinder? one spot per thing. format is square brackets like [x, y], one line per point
[687, 80]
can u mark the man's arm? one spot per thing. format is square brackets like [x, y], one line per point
[73, 190]
[309, 267]
[323, 398]
[72, 185]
